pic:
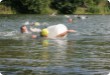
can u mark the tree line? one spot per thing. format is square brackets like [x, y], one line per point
[61, 6]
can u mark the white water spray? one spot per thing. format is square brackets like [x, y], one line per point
[0, 73]
[0, 0]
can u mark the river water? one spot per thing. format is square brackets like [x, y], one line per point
[86, 52]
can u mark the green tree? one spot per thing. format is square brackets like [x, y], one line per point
[28, 6]
[64, 6]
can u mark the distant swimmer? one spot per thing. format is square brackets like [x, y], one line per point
[70, 20]
[82, 17]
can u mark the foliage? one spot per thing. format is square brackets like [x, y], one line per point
[62, 6]
[93, 9]
[28, 6]
[17, 5]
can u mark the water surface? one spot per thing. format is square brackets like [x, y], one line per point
[86, 52]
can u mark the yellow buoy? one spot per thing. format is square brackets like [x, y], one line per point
[37, 24]
[44, 32]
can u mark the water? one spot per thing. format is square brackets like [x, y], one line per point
[86, 52]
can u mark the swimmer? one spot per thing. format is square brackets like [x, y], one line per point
[44, 33]
[70, 20]
[24, 29]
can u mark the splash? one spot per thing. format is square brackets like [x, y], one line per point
[26, 23]
[109, 73]
[0, 73]
[8, 33]
[0, 0]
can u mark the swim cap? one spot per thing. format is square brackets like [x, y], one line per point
[44, 32]
[37, 24]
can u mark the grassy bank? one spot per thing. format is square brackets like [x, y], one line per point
[101, 8]
[6, 10]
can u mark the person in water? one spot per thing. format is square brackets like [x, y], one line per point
[24, 29]
[44, 33]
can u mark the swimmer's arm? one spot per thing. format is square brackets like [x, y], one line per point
[65, 33]
[35, 29]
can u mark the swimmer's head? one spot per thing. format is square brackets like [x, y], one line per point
[44, 32]
[23, 29]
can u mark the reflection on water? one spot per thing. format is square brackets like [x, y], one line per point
[84, 53]
[36, 57]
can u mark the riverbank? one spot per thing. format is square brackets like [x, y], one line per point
[80, 10]
[6, 10]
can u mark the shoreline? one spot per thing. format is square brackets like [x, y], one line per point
[4, 10]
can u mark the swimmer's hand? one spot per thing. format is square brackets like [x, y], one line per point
[70, 31]
[34, 36]
[35, 29]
